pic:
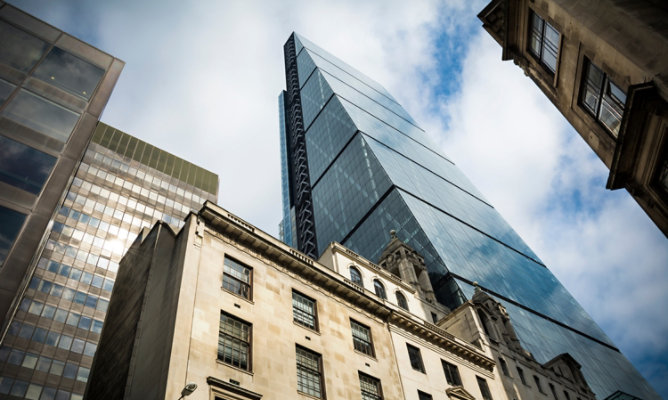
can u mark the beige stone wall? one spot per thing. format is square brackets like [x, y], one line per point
[274, 333]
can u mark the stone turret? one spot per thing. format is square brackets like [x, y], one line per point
[404, 262]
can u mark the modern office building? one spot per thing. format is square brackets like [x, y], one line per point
[53, 89]
[358, 166]
[228, 308]
[121, 185]
[604, 66]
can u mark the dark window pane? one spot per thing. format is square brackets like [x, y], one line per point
[68, 72]
[304, 310]
[451, 374]
[6, 89]
[362, 338]
[24, 167]
[379, 289]
[19, 49]
[355, 276]
[234, 341]
[484, 389]
[370, 387]
[415, 357]
[401, 301]
[41, 115]
[9, 228]
[309, 373]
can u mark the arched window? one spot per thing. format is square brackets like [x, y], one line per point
[379, 288]
[401, 301]
[355, 276]
[485, 324]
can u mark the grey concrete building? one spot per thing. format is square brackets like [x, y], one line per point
[241, 315]
[604, 65]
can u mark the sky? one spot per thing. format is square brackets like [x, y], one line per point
[202, 79]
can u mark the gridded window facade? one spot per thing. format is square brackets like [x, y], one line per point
[451, 374]
[379, 289]
[309, 372]
[484, 389]
[370, 387]
[415, 357]
[237, 278]
[234, 341]
[362, 338]
[544, 42]
[304, 311]
[602, 98]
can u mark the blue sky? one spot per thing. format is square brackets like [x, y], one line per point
[202, 79]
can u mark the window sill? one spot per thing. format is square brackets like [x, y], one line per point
[234, 368]
[306, 327]
[236, 295]
[365, 355]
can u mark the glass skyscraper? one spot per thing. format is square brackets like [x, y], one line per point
[355, 165]
[121, 186]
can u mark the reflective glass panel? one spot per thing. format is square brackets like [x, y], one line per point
[24, 167]
[19, 49]
[70, 73]
[6, 89]
[41, 115]
[9, 229]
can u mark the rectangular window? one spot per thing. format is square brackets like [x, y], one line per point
[568, 397]
[237, 278]
[484, 389]
[521, 374]
[415, 357]
[451, 374]
[309, 372]
[554, 392]
[424, 396]
[362, 338]
[544, 42]
[504, 367]
[538, 385]
[234, 341]
[12, 221]
[304, 311]
[602, 98]
[370, 387]
[24, 167]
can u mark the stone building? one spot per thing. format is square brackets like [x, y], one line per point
[604, 65]
[242, 315]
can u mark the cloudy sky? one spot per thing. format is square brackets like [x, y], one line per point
[202, 78]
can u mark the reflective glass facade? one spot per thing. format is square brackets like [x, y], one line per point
[51, 340]
[371, 169]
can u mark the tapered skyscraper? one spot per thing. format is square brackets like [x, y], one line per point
[356, 165]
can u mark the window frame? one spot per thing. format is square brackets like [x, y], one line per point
[373, 381]
[520, 372]
[234, 279]
[484, 388]
[504, 367]
[379, 289]
[364, 343]
[451, 372]
[542, 38]
[415, 357]
[603, 95]
[402, 302]
[359, 275]
[248, 342]
[320, 372]
[536, 380]
[424, 396]
[295, 311]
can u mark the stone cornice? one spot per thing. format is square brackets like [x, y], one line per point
[245, 234]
